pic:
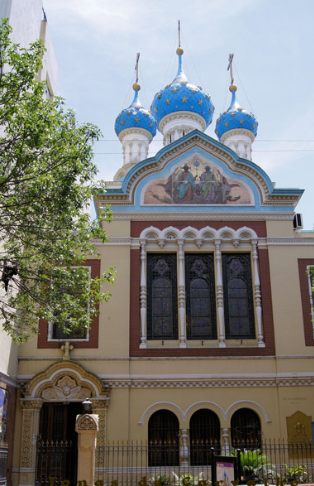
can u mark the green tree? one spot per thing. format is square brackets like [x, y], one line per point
[47, 178]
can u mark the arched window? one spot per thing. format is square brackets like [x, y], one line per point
[204, 437]
[162, 296]
[246, 429]
[238, 296]
[200, 296]
[163, 439]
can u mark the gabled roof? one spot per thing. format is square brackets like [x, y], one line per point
[128, 196]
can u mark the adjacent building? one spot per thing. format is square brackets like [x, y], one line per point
[29, 23]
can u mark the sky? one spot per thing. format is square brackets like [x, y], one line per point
[96, 42]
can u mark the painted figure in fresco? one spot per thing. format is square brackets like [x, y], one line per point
[183, 185]
[207, 185]
[223, 194]
[186, 186]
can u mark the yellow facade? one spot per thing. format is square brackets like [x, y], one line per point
[128, 384]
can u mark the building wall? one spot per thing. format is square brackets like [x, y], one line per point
[28, 23]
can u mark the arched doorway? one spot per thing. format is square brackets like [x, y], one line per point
[57, 441]
[204, 437]
[246, 429]
[163, 439]
[51, 401]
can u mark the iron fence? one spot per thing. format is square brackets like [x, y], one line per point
[135, 463]
[54, 462]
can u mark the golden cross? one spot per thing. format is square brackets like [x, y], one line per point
[136, 67]
[229, 68]
[179, 34]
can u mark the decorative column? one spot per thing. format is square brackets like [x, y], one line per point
[220, 296]
[86, 427]
[100, 408]
[225, 435]
[184, 447]
[30, 429]
[181, 295]
[257, 297]
[143, 296]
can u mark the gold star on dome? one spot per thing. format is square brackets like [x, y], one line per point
[137, 119]
[226, 124]
[241, 121]
[122, 122]
[167, 101]
[200, 102]
[184, 99]
[174, 90]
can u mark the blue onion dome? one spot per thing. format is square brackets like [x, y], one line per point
[181, 95]
[235, 118]
[135, 116]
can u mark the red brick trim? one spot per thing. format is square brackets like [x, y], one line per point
[305, 298]
[267, 318]
[42, 341]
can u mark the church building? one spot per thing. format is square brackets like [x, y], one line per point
[208, 337]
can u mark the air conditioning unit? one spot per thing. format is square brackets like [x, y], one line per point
[297, 221]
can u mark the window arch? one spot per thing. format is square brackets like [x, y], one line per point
[246, 429]
[163, 439]
[200, 296]
[204, 437]
[238, 296]
[162, 296]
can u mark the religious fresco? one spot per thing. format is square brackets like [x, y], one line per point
[196, 181]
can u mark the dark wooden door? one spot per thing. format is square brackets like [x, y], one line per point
[57, 443]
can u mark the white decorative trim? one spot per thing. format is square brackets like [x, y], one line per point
[135, 131]
[250, 404]
[223, 414]
[63, 371]
[310, 285]
[172, 406]
[204, 404]
[190, 234]
[237, 132]
[180, 116]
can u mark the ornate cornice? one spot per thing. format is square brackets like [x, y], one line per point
[214, 383]
[64, 380]
[237, 131]
[135, 131]
[182, 115]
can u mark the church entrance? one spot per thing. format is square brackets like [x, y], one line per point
[57, 443]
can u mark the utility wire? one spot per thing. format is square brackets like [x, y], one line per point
[255, 151]
[256, 141]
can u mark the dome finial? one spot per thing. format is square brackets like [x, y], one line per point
[136, 86]
[180, 77]
[179, 50]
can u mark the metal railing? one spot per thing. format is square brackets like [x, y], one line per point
[130, 463]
